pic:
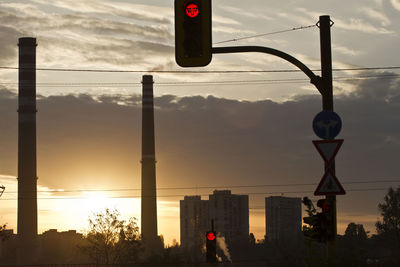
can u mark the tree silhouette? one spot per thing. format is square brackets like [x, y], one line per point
[112, 240]
[390, 211]
[355, 231]
[3, 234]
[389, 227]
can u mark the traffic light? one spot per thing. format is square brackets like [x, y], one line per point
[193, 33]
[321, 226]
[327, 219]
[211, 246]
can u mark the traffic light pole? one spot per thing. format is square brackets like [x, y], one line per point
[324, 25]
[324, 85]
[314, 79]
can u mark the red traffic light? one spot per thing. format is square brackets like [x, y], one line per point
[210, 236]
[192, 10]
[323, 204]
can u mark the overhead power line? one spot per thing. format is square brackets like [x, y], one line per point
[202, 83]
[208, 187]
[265, 34]
[202, 71]
[182, 195]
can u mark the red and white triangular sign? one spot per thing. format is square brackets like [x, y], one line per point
[329, 185]
[328, 149]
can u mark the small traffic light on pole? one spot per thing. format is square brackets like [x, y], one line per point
[211, 246]
[320, 224]
[327, 219]
[193, 33]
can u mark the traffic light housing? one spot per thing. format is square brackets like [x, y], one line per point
[321, 226]
[211, 246]
[193, 33]
[327, 219]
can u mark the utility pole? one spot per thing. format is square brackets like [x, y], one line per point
[325, 24]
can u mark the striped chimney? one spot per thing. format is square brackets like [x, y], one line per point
[149, 196]
[27, 176]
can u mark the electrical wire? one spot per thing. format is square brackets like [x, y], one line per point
[205, 187]
[265, 34]
[200, 71]
[202, 83]
[182, 195]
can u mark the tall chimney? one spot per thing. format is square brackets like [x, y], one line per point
[27, 176]
[149, 197]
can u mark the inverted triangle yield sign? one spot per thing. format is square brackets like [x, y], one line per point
[329, 185]
[328, 149]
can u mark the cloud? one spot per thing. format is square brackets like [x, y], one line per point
[87, 38]
[376, 15]
[242, 13]
[225, 20]
[345, 50]
[240, 127]
[150, 13]
[9, 39]
[352, 23]
[208, 141]
[357, 24]
[381, 88]
[231, 30]
[396, 4]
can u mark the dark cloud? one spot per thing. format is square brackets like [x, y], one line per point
[85, 142]
[385, 87]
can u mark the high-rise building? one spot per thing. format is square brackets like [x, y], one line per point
[229, 212]
[194, 221]
[282, 218]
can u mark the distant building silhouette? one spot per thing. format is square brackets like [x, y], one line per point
[53, 247]
[229, 212]
[8, 247]
[195, 221]
[27, 175]
[231, 215]
[283, 218]
[61, 247]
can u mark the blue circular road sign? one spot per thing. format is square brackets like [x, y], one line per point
[327, 125]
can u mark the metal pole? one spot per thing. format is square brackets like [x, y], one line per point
[325, 24]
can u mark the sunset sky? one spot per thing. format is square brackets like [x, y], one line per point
[249, 132]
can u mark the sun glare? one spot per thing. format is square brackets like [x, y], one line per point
[73, 212]
[94, 202]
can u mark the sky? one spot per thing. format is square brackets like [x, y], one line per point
[215, 130]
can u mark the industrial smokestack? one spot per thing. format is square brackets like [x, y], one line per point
[27, 176]
[149, 196]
